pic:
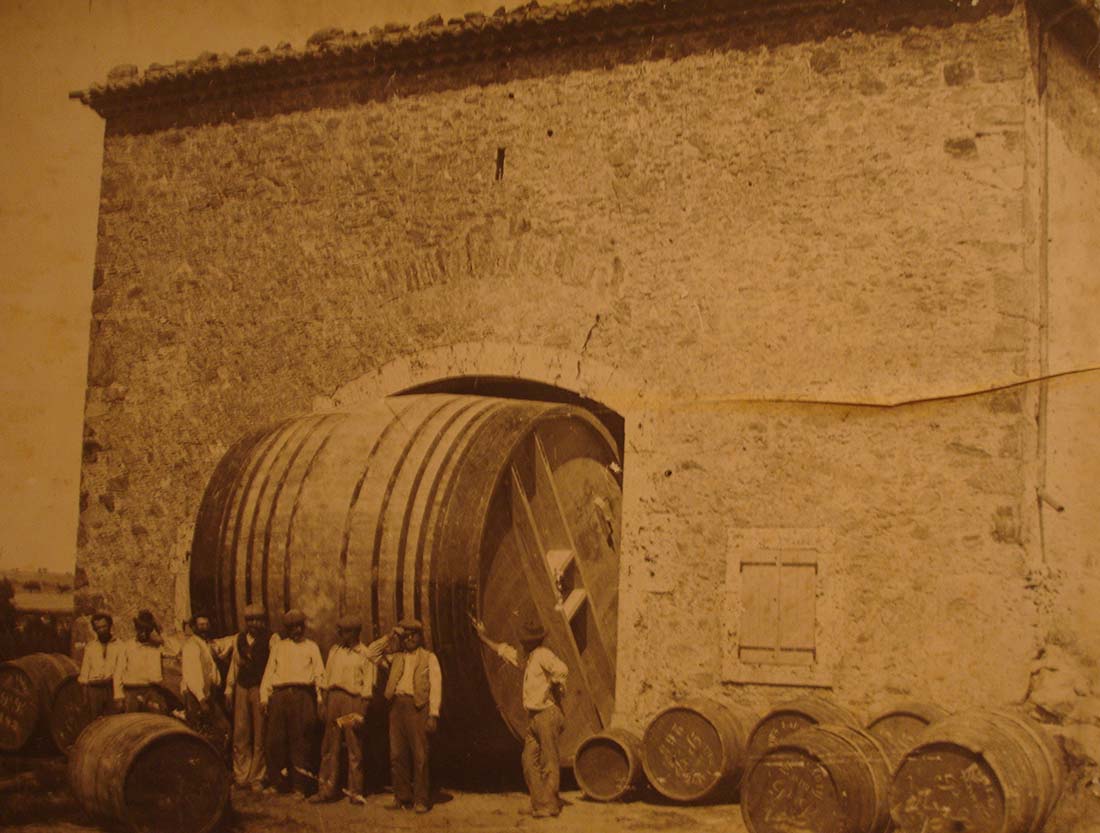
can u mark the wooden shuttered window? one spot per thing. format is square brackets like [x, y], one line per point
[775, 584]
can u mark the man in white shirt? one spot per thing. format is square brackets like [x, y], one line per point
[348, 685]
[139, 672]
[544, 677]
[290, 697]
[415, 691]
[248, 651]
[99, 666]
[199, 685]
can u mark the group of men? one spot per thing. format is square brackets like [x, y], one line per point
[277, 687]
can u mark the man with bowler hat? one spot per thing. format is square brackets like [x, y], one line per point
[544, 677]
[290, 696]
[139, 672]
[414, 690]
[347, 688]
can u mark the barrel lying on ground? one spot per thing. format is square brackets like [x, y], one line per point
[27, 688]
[695, 750]
[898, 727]
[820, 779]
[793, 715]
[608, 765]
[978, 772]
[149, 772]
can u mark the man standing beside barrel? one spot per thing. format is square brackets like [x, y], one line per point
[414, 690]
[99, 666]
[290, 694]
[249, 651]
[199, 686]
[139, 668]
[348, 686]
[544, 677]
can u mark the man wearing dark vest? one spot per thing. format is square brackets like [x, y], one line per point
[414, 690]
[250, 649]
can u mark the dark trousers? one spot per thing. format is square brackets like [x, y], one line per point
[291, 714]
[409, 750]
[542, 759]
[144, 698]
[209, 720]
[98, 699]
[340, 703]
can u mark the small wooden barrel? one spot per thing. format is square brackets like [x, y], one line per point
[608, 765]
[898, 727]
[149, 772]
[695, 750]
[979, 771]
[793, 715]
[824, 778]
[27, 687]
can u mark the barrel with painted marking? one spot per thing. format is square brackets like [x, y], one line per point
[149, 772]
[27, 688]
[69, 712]
[978, 772]
[822, 778]
[440, 507]
[789, 717]
[608, 765]
[695, 750]
[898, 727]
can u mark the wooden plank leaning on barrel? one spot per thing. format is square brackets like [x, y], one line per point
[608, 765]
[695, 750]
[978, 772]
[149, 772]
[823, 778]
[27, 688]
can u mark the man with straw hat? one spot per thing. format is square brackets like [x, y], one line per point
[544, 677]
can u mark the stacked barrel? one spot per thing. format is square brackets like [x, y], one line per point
[809, 765]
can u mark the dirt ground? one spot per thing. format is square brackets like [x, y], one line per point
[45, 805]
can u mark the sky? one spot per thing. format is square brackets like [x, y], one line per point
[50, 163]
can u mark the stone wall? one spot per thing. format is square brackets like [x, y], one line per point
[758, 256]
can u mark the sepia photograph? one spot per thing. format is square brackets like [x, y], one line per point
[591, 416]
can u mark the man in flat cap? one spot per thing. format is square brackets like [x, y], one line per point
[290, 695]
[248, 653]
[414, 690]
[544, 677]
[99, 666]
[347, 688]
[140, 673]
[199, 686]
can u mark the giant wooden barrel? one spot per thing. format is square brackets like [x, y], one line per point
[792, 715]
[978, 771]
[823, 778]
[27, 687]
[149, 772]
[440, 507]
[898, 727]
[608, 765]
[695, 750]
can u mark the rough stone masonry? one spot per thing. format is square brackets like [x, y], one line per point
[815, 254]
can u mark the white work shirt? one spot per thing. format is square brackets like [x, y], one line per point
[138, 664]
[100, 661]
[200, 674]
[542, 670]
[351, 670]
[292, 663]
